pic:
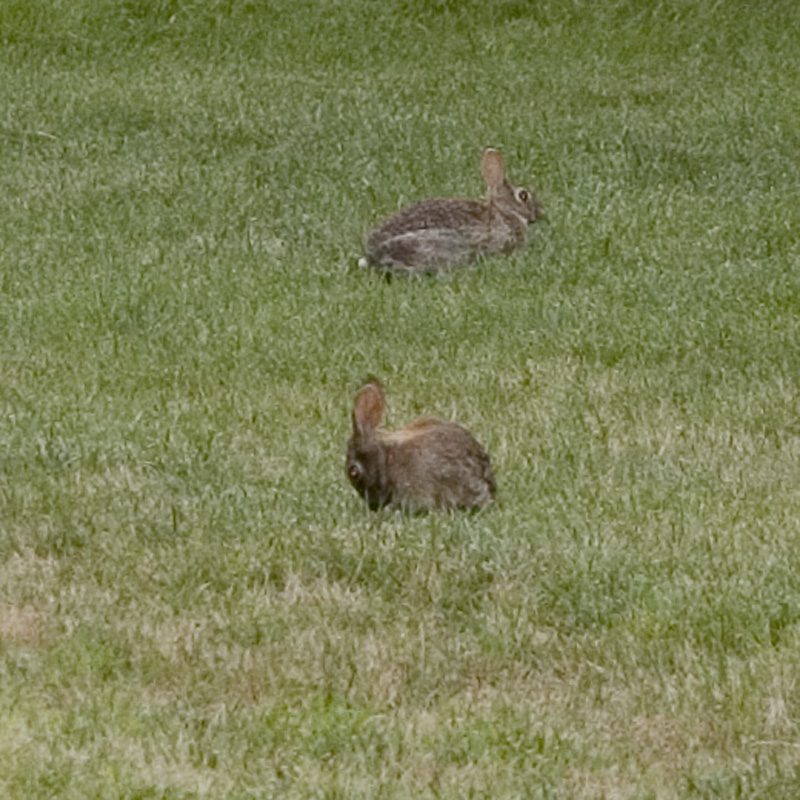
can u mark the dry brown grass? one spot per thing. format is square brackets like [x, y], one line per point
[23, 625]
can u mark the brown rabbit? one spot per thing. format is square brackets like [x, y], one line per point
[428, 465]
[436, 233]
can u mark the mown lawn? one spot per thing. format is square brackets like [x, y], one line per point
[194, 603]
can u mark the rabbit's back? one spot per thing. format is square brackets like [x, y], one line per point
[441, 231]
[438, 464]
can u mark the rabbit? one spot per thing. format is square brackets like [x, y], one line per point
[442, 231]
[429, 465]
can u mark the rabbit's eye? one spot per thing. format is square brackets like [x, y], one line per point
[523, 195]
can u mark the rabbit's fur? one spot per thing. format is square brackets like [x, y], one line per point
[442, 231]
[431, 464]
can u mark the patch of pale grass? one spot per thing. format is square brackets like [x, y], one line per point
[24, 568]
[298, 589]
[594, 784]
[23, 625]
[779, 725]
[27, 604]
[175, 771]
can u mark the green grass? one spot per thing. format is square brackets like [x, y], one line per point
[194, 602]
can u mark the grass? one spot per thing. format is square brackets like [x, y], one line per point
[194, 602]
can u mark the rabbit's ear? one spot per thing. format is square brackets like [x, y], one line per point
[368, 408]
[492, 169]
